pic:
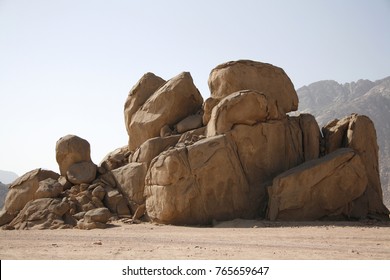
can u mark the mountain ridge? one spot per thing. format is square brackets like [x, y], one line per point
[328, 100]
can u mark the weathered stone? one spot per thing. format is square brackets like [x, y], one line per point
[263, 77]
[208, 106]
[153, 147]
[358, 132]
[318, 188]
[172, 102]
[189, 123]
[71, 149]
[243, 107]
[139, 212]
[196, 184]
[138, 95]
[42, 213]
[131, 181]
[101, 215]
[193, 136]
[81, 173]
[48, 188]
[23, 190]
[116, 158]
[64, 182]
[99, 192]
[84, 225]
[114, 200]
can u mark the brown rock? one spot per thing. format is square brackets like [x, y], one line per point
[323, 187]
[48, 188]
[263, 77]
[196, 184]
[358, 132]
[71, 149]
[116, 158]
[23, 190]
[243, 107]
[138, 95]
[189, 123]
[153, 147]
[115, 201]
[208, 106]
[81, 172]
[172, 102]
[42, 213]
[99, 192]
[131, 181]
[100, 215]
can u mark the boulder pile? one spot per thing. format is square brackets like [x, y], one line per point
[237, 154]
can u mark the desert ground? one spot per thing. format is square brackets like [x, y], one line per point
[237, 239]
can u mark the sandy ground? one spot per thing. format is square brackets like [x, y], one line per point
[236, 239]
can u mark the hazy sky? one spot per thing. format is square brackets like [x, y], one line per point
[67, 66]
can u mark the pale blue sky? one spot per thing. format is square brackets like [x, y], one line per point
[66, 66]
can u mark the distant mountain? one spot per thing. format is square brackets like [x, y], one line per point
[327, 100]
[3, 193]
[7, 177]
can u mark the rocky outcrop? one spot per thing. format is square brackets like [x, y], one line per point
[239, 75]
[168, 105]
[207, 183]
[358, 132]
[23, 190]
[42, 213]
[71, 149]
[237, 155]
[318, 189]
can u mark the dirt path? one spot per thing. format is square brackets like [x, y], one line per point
[230, 240]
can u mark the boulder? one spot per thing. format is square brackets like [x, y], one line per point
[115, 201]
[71, 149]
[208, 106]
[358, 132]
[48, 188]
[116, 158]
[243, 107]
[189, 123]
[100, 215]
[81, 172]
[172, 102]
[239, 75]
[99, 192]
[22, 190]
[153, 147]
[197, 183]
[42, 213]
[138, 95]
[318, 188]
[131, 181]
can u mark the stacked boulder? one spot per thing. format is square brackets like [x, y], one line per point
[188, 162]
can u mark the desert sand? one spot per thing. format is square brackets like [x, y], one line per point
[237, 239]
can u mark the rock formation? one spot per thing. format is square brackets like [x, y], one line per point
[237, 155]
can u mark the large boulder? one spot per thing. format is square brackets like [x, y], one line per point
[197, 183]
[153, 147]
[138, 95]
[172, 102]
[42, 213]
[23, 190]
[246, 74]
[115, 159]
[358, 132]
[319, 188]
[243, 107]
[71, 149]
[131, 181]
[81, 172]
